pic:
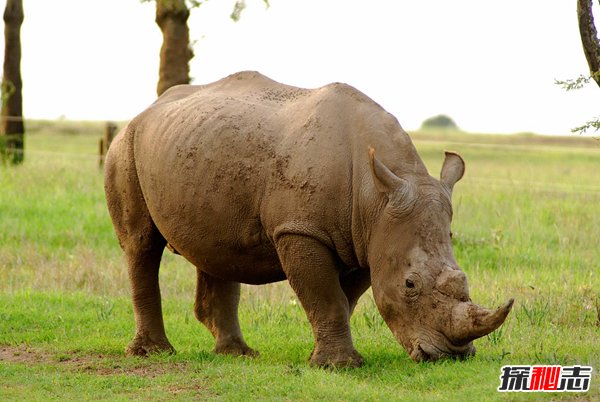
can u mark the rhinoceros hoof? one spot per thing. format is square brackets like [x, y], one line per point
[235, 348]
[143, 345]
[337, 359]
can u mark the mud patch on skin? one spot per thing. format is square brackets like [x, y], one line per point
[92, 364]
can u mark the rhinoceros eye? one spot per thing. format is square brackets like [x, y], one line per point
[410, 284]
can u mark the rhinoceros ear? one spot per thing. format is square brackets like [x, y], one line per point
[452, 169]
[385, 180]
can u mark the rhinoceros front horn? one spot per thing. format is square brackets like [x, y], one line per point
[470, 321]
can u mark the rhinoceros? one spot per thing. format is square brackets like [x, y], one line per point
[253, 181]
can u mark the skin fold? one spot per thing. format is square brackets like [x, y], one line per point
[253, 181]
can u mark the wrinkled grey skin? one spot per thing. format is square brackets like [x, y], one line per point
[253, 182]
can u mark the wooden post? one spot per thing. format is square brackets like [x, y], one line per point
[109, 133]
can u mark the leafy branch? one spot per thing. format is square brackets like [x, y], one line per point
[592, 124]
[577, 83]
[239, 6]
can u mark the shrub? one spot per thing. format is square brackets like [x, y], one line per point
[440, 121]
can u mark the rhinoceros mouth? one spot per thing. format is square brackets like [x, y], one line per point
[419, 355]
[427, 351]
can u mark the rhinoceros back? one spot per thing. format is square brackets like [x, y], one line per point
[226, 167]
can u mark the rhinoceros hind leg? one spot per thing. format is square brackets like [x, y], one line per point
[143, 261]
[312, 272]
[143, 246]
[216, 307]
[143, 255]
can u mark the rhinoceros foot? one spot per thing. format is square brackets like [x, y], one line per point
[235, 348]
[143, 345]
[336, 358]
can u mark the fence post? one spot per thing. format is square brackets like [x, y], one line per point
[109, 133]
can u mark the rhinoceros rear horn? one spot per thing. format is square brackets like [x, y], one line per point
[470, 321]
[385, 180]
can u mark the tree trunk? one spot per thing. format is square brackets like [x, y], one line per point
[175, 53]
[589, 37]
[11, 125]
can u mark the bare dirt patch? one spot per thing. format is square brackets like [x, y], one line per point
[109, 365]
[23, 354]
[94, 364]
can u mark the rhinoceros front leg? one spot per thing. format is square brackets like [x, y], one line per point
[354, 285]
[312, 272]
[217, 308]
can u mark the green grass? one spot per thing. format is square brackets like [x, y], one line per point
[526, 225]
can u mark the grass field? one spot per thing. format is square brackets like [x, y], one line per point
[526, 225]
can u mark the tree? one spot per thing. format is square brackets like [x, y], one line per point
[11, 124]
[176, 52]
[591, 50]
[440, 121]
[589, 37]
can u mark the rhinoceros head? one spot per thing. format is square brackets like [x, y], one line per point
[418, 286]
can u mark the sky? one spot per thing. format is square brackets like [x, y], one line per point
[490, 66]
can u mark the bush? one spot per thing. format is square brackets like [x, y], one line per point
[440, 121]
